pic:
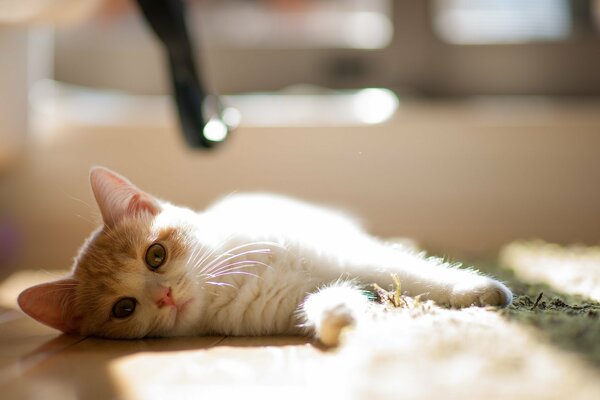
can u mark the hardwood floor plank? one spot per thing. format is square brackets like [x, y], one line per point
[24, 343]
[83, 370]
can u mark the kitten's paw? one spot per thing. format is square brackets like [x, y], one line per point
[332, 309]
[333, 321]
[483, 292]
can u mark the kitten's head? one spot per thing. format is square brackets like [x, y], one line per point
[130, 278]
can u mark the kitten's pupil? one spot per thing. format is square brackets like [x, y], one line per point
[123, 308]
[155, 256]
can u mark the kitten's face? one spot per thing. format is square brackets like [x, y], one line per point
[134, 281]
[131, 277]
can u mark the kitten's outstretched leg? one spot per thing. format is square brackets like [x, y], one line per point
[333, 308]
[480, 291]
[431, 278]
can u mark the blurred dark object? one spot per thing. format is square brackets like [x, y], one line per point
[201, 115]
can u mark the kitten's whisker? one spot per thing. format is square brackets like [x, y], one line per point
[234, 256]
[202, 254]
[209, 264]
[205, 256]
[238, 273]
[212, 264]
[245, 262]
[228, 252]
[221, 284]
[225, 271]
[208, 254]
[223, 263]
[274, 244]
[78, 200]
[91, 209]
[194, 254]
[86, 220]
[110, 232]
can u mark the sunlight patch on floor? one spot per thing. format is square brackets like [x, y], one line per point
[471, 353]
[569, 269]
[239, 367]
[420, 351]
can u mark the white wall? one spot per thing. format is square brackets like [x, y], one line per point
[463, 177]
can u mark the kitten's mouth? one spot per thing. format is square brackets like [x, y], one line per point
[180, 309]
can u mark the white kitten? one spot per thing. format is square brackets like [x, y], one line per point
[252, 264]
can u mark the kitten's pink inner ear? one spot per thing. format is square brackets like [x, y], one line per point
[53, 304]
[118, 198]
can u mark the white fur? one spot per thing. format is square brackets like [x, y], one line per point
[332, 309]
[283, 252]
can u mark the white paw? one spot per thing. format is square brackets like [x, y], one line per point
[332, 309]
[480, 292]
[333, 322]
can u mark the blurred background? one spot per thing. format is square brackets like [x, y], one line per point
[464, 124]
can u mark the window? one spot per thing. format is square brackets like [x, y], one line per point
[502, 21]
[358, 24]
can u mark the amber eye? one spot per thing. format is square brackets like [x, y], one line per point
[155, 256]
[124, 307]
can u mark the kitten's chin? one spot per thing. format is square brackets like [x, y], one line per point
[183, 317]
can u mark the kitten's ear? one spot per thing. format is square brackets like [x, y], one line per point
[119, 198]
[53, 304]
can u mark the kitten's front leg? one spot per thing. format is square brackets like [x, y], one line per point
[456, 287]
[333, 308]
[436, 280]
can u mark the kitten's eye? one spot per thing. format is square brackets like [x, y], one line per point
[155, 256]
[123, 308]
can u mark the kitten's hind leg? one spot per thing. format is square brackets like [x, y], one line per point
[333, 308]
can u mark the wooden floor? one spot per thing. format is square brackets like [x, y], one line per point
[419, 351]
[36, 362]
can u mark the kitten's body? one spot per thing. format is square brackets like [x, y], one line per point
[250, 265]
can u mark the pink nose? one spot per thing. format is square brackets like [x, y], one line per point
[165, 298]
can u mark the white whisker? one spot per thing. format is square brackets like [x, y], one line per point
[220, 284]
[219, 265]
[207, 254]
[237, 273]
[238, 265]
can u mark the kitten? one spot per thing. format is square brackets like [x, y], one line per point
[252, 264]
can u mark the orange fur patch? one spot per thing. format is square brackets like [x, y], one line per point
[173, 238]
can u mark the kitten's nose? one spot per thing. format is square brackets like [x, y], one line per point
[165, 298]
